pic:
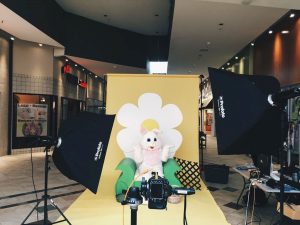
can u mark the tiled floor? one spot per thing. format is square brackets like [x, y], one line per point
[16, 188]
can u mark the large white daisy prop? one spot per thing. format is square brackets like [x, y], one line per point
[149, 114]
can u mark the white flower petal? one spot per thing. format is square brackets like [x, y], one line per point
[170, 117]
[149, 104]
[128, 138]
[173, 138]
[128, 115]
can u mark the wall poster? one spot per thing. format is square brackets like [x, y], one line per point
[31, 120]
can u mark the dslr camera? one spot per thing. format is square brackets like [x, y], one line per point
[157, 190]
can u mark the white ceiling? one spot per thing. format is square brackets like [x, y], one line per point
[101, 68]
[20, 28]
[196, 22]
[134, 15]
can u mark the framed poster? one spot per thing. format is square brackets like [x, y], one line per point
[32, 120]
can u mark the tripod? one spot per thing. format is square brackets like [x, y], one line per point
[134, 199]
[45, 198]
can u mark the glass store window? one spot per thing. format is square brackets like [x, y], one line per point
[34, 116]
[71, 107]
[95, 106]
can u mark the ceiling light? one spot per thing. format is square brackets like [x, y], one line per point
[12, 38]
[292, 15]
[270, 32]
[40, 44]
[285, 32]
[208, 42]
[75, 64]
[96, 76]
[223, 68]
[67, 60]
[228, 63]
[252, 44]
[83, 69]
[236, 57]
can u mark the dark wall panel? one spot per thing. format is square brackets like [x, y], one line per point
[89, 39]
[279, 55]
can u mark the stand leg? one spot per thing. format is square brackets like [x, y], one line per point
[239, 198]
[61, 213]
[34, 208]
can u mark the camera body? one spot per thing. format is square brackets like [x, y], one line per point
[156, 190]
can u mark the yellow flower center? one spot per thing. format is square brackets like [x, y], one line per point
[150, 124]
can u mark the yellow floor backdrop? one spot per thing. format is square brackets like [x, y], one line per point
[102, 208]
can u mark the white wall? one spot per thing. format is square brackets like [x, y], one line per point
[32, 68]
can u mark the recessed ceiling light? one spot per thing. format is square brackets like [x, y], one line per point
[82, 69]
[208, 42]
[12, 38]
[252, 44]
[285, 32]
[67, 60]
[75, 64]
[292, 15]
[228, 63]
[40, 44]
[236, 57]
[96, 76]
[223, 68]
[270, 32]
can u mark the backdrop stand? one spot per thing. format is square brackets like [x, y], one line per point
[45, 198]
[201, 133]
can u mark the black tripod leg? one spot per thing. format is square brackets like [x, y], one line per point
[34, 208]
[58, 209]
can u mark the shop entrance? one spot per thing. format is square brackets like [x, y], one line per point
[71, 107]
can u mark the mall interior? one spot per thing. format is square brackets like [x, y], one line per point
[60, 58]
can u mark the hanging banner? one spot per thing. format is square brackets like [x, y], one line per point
[31, 120]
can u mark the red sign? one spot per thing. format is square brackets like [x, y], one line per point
[82, 84]
[66, 69]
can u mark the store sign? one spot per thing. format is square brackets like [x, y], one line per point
[32, 120]
[66, 69]
[82, 84]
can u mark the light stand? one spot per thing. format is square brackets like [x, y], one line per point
[134, 199]
[201, 133]
[280, 100]
[45, 198]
